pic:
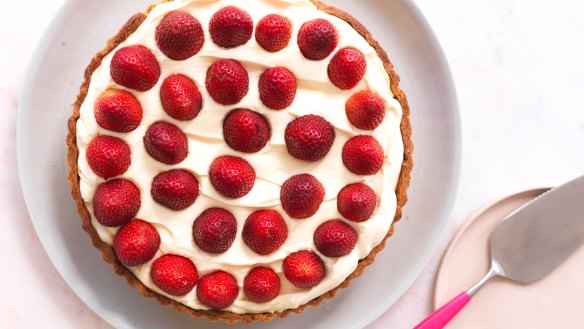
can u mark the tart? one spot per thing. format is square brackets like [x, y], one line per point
[240, 160]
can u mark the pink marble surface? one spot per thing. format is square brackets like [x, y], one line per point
[517, 66]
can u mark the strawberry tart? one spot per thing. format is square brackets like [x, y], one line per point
[240, 160]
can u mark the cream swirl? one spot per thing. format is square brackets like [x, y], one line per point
[273, 165]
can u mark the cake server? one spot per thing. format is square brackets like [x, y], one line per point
[528, 244]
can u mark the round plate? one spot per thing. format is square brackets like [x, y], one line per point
[81, 29]
[552, 302]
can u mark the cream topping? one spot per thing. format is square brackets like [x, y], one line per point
[273, 165]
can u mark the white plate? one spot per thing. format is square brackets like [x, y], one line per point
[81, 29]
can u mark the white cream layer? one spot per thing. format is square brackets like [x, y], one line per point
[273, 165]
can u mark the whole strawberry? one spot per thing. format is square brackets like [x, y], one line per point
[176, 189]
[273, 32]
[347, 68]
[264, 231]
[214, 230]
[246, 131]
[317, 39]
[230, 27]
[277, 87]
[309, 137]
[135, 67]
[261, 285]
[232, 176]
[108, 156]
[176, 275]
[217, 290]
[180, 97]
[227, 81]
[363, 155]
[166, 143]
[136, 242]
[179, 35]
[117, 110]
[335, 238]
[301, 196]
[356, 202]
[365, 110]
[115, 202]
[304, 269]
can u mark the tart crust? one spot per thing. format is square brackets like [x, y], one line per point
[214, 315]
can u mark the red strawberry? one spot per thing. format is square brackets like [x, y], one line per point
[217, 290]
[135, 67]
[232, 176]
[136, 243]
[317, 39]
[347, 68]
[214, 230]
[273, 32]
[180, 97]
[166, 143]
[246, 131]
[227, 81]
[335, 238]
[176, 189]
[363, 155]
[230, 27]
[304, 269]
[179, 35]
[261, 285]
[173, 274]
[277, 88]
[309, 137]
[365, 110]
[356, 202]
[301, 196]
[108, 156]
[116, 202]
[117, 110]
[264, 231]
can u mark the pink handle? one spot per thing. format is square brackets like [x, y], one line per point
[443, 315]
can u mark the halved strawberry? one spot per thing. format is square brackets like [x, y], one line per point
[365, 110]
[179, 35]
[356, 202]
[227, 81]
[176, 189]
[232, 176]
[214, 230]
[180, 97]
[363, 155]
[108, 156]
[136, 242]
[166, 143]
[115, 202]
[273, 32]
[176, 275]
[117, 110]
[309, 137]
[261, 285]
[347, 68]
[217, 290]
[301, 196]
[335, 238]
[230, 27]
[246, 131]
[264, 231]
[135, 67]
[277, 87]
[304, 269]
[317, 39]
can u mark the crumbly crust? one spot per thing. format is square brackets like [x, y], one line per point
[107, 251]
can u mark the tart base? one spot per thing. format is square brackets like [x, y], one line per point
[229, 317]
